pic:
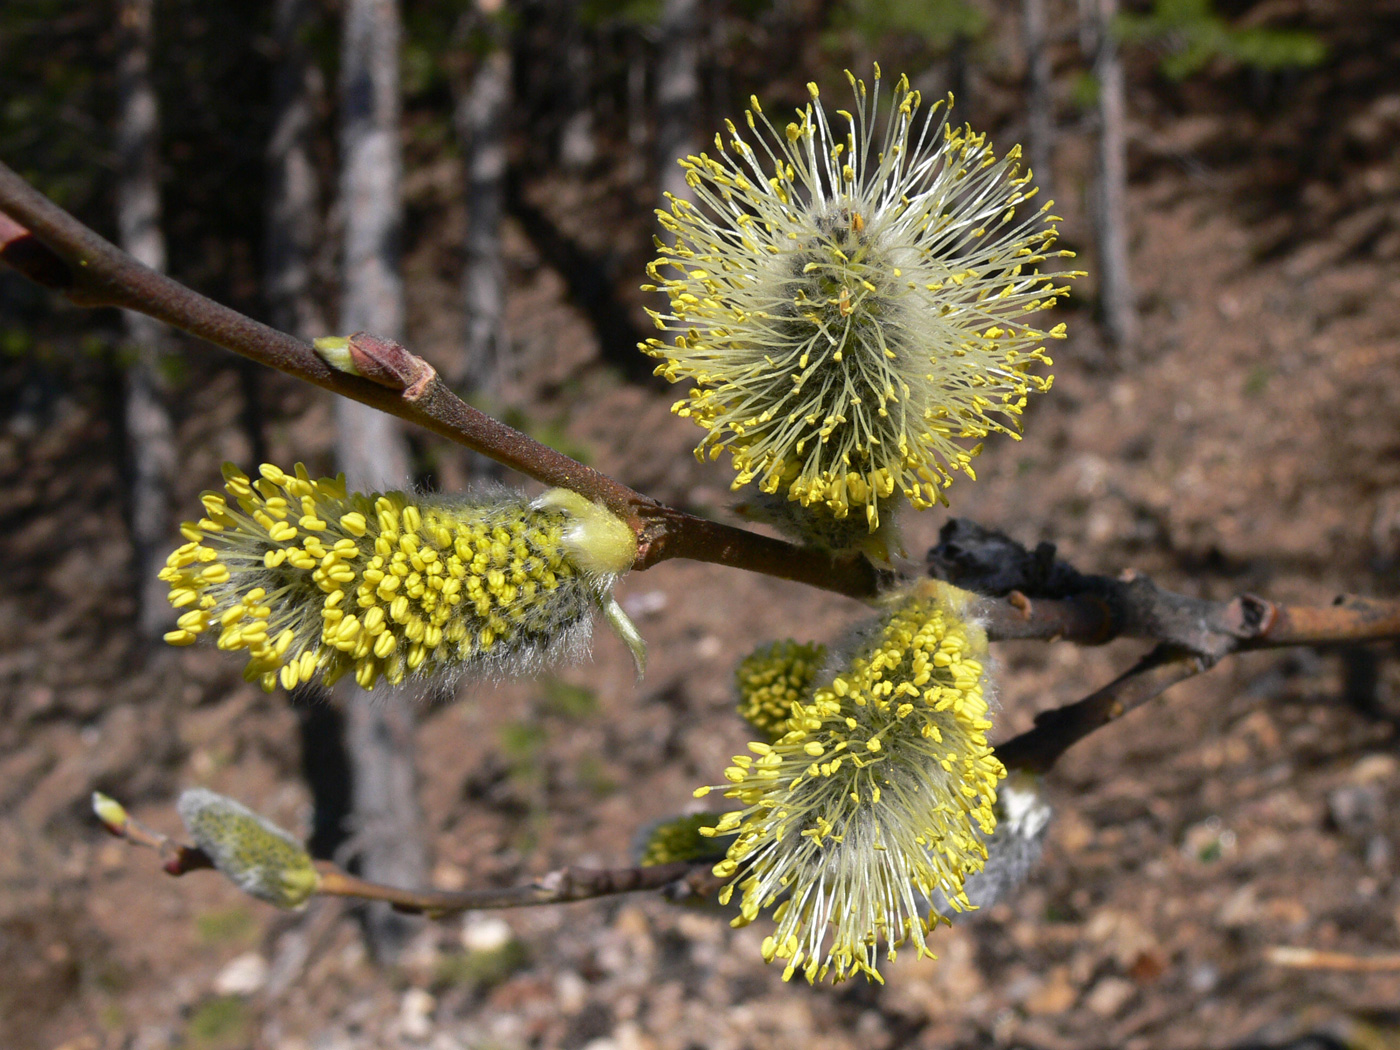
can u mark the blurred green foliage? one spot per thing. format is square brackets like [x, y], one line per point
[227, 926]
[224, 1021]
[480, 970]
[1194, 35]
[566, 700]
[938, 23]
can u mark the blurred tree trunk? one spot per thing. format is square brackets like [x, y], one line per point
[294, 227]
[385, 816]
[637, 107]
[150, 438]
[1111, 178]
[292, 238]
[1040, 104]
[677, 89]
[578, 146]
[481, 117]
[960, 77]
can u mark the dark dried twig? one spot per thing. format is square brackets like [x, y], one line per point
[1034, 595]
[54, 249]
[1037, 596]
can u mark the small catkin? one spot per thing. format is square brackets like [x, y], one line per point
[256, 856]
[311, 580]
[774, 677]
[677, 839]
[879, 795]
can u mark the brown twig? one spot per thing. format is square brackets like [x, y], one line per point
[1034, 595]
[1312, 959]
[176, 858]
[54, 249]
[680, 880]
[1037, 749]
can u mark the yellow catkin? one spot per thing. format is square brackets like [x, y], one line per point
[680, 839]
[875, 800]
[771, 679]
[311, 580]
[854, 302]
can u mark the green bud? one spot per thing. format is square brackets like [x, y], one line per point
[258, 857]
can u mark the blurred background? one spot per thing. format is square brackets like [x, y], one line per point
[479, 179]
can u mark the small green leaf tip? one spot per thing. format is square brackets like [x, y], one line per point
[111, 812]
[335, 351]
[253, 853]
[627, 631]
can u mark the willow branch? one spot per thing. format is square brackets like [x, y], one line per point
[678, 880]
[54, 249]
[681, 880]
[1030, 594]
[1055, 731]
[1034, 595]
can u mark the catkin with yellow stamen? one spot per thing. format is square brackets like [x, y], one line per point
[875, 799]
[311, 580]
[854, 300]
[772, 678]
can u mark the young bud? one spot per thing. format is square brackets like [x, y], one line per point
[110, 812]
[771, 679]
[258, 857]
[877, 797]
[312, 580]
[855, 300]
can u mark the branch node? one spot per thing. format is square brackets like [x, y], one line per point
[1020, 603]
[1249, 616]
[382, 361]
[32, 257]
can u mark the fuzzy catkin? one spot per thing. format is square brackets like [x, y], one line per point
[854, 300]
[877, 798]
[253, 853]
[312, 580]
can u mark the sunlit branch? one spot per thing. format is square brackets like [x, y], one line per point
[54, 249]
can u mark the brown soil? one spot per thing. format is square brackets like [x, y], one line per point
[1250, 443]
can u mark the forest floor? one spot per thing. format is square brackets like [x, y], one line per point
[1249, 443]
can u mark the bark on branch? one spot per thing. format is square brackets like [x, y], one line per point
[681, 880]
[1034, 595]
[53, 248]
